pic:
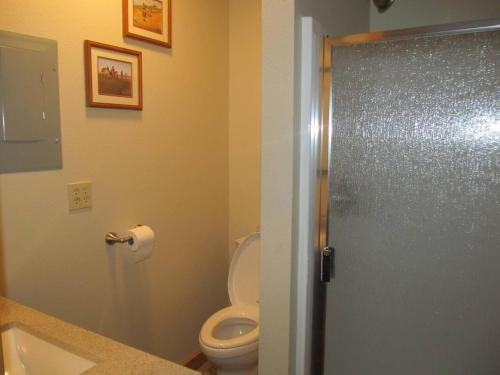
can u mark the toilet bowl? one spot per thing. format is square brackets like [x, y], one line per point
[230, 337]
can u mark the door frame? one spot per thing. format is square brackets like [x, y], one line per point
[312, 212]
[435, 30]
[305, 260]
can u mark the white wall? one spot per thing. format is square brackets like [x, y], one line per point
[166, 166]
[244, 118]
[411, 13]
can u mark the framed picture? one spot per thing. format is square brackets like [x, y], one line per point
[148, 20]
[113, 76]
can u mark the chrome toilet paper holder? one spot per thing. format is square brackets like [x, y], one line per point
[112, 238]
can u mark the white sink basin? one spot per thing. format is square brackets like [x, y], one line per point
[26, 354]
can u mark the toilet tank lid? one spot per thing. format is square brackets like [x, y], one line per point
[243, 281]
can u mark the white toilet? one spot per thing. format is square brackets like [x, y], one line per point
[230, 337]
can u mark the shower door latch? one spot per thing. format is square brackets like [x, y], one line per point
[327, 264]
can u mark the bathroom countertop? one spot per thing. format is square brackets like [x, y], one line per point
[111, 357]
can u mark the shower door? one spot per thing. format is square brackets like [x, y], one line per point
[414, 204]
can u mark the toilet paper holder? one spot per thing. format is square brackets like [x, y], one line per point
[112, 238]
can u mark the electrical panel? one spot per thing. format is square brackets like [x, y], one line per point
[30, 135]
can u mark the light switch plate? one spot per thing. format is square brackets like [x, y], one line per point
[79, 195]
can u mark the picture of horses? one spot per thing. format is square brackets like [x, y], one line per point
[148, 15]
[114, 77]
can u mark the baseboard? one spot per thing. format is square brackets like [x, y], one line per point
[195, 361]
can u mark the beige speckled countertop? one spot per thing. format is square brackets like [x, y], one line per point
[111, 356]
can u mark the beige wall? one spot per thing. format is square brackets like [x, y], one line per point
[166, 166]
[244, 118]
[277, 183]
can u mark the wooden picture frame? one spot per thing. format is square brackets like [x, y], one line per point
[148, 20]
[113, 76]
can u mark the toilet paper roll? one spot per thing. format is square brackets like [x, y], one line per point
[144, 239]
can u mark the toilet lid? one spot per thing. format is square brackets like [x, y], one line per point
[243, 281]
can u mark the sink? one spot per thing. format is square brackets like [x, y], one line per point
[26, 353]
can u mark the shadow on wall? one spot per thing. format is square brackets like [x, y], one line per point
[129, 309]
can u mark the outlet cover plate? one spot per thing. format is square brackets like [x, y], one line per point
[79, 195]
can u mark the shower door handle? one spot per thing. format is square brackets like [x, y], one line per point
[327, 264]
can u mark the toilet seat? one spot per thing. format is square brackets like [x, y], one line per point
[243, 282]
[232, 312]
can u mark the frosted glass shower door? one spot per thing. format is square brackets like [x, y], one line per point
[415, 207]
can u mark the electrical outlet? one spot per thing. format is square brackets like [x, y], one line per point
[79, 195]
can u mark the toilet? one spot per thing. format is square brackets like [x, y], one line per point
[230, 337]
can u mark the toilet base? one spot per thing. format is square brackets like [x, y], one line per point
[247, 371]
